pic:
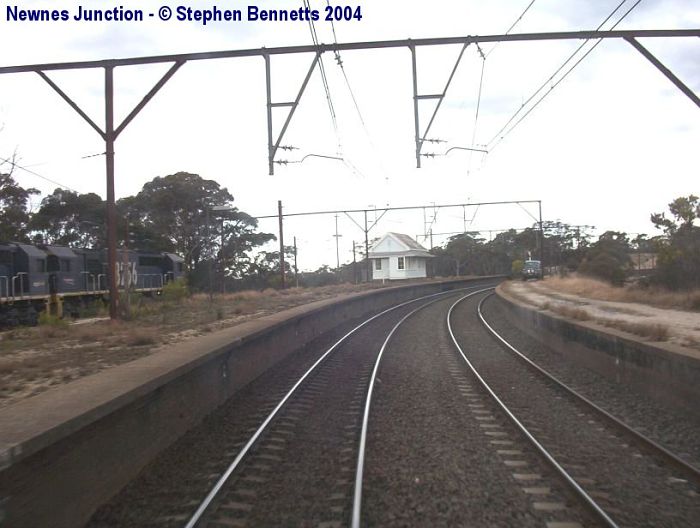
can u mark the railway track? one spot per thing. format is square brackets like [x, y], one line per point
[386, 424]
[624, 477]
[318, 456]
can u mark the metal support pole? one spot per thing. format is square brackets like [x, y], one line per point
[270, 147]
[296, 269]
[337, 249]
[539, 205]
[354, 264]
[221, 259]
[111, 205]
[279, 209]
[367, 263]
[415, 104]
[210, 270]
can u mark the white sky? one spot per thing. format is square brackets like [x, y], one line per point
[612, 143]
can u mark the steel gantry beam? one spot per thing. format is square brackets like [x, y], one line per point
[111, 132]
[272, 148]
[423, 137]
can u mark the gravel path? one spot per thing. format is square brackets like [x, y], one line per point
[628, 483]
[439, 453]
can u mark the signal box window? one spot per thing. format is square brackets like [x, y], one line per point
[378, 264]
[401, 263]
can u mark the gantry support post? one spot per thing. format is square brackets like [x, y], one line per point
[281, 225]
[272, 148]
[539, 206]
[368, 267]
[111, 204]
[421, 137]
[416, 118]
[110, 135]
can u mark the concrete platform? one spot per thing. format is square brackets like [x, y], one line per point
[68, 450]
[663, 371]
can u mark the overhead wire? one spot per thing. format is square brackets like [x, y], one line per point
[481, 80]
[478, 106]
[496, 139]
[324, 79]
[339, 61]
[512, 26]
[17, 166]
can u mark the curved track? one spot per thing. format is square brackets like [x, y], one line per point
[416, 416]
[335, 380]
[655, 447]
[621, 484]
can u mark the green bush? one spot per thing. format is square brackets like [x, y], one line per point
[47, 319]
[176, 290]
[516, 268]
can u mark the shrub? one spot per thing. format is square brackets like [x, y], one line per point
[47, 319]
[176, 290]
[516, 268]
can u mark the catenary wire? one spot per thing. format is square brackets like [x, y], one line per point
[512, 26]
[497, 138]
[15, 165]
[324, 79]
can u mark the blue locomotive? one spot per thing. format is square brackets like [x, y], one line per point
[32, 278]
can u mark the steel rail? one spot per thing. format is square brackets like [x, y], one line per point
[648, 442]
[196, 517]
[590, 502]
[357, 495]
[378, 44]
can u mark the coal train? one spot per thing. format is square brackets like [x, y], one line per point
[66, 280]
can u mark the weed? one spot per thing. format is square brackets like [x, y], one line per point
[176, 291]
[140, 337]
[47, 319]
[654, 296]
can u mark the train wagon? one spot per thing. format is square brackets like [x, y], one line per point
[34, 278]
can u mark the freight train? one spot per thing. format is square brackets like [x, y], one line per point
[37, 278]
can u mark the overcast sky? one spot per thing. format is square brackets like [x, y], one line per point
[612, 143]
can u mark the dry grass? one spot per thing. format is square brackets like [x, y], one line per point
[650, 331]
[140, 337]
[594, 289]
[33, 360]
[571, 312]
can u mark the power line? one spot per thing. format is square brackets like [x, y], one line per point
[15, 165]
[512, 25]
[339, 60]
[478, 104]
[481, 78]
[324, 79]
[497, 137]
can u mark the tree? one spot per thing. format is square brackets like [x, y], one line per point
[67, 218]
[174, 210]
[678, 262]
[175, 213]
[238, 237]
[14, 209]
[608, 258]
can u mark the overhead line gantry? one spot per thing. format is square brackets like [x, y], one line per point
[111, 132]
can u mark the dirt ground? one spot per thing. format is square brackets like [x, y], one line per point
[681, 327]
[33, 360]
